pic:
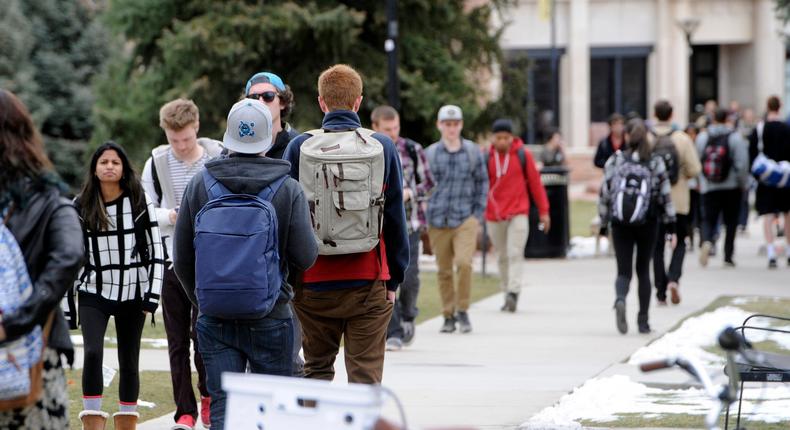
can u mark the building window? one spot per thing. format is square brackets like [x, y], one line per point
[534, 66]
[618, 82]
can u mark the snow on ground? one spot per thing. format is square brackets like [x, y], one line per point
[603, 399]
[584, 247]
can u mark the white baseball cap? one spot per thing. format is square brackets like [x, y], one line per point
[249, 129]
[451, 113]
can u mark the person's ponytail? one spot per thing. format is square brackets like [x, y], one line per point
[636, 135]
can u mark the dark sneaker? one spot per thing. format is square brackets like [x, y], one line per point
[394, 344]
[448, 326]
[772, 263]
[644, 328]
[662, 303]
[619, 308]
[729, 263]
[408, 332]
[463, 322]
[511, 300]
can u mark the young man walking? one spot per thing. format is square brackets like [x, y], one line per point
[772, 138]
[513, 179]
[165, 176]
[455, 211]
[686, 165]
[353, 184]
[243, 222]
[725, 177]
[270, 89]
[417, 185]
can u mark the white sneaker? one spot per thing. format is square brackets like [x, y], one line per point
[394, 344]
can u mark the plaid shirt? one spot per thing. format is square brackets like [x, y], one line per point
[661, 193]
[461, 185]
[420, 189]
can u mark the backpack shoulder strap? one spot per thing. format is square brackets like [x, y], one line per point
[522, 159]
[214, 188]
[268, 192]
[155, 178]
[410, 148]
[760, 130]
[473, 152]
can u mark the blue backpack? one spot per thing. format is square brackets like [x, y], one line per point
[237, 262]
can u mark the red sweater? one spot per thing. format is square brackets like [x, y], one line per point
[509, 194]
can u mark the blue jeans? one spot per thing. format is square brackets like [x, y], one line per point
[265, 345]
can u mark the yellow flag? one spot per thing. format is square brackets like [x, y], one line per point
[544, 8]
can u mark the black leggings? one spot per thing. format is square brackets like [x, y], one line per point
[129, 321]
[625, 237]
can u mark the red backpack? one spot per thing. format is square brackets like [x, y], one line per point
[716, 158]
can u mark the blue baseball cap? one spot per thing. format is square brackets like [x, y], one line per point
[266, 78]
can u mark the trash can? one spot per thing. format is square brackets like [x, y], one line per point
[555, 243]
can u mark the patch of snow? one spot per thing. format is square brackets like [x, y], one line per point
[584, 247]
[144, 404]
[692, 337]
[76, 339]
[154, 343]
[604, 399]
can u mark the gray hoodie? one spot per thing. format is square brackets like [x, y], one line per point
[249, 175]
[738, 177]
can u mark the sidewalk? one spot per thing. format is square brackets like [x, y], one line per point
[513, 365]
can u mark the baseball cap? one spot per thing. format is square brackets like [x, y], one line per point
[265, 78]
[451, 113]
[249, 129]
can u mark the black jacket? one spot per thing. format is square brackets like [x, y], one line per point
[48, 231]
[604, 151]
[249, 175]
[285, 136]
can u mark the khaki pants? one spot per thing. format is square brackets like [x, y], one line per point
[454, 247]
[509, 238]
[358, 316]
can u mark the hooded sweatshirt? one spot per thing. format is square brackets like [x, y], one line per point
[244, 174]
[509, 191]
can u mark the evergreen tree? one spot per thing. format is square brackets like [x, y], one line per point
[205, 50]
[56, 48]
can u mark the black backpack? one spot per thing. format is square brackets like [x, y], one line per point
[666, 149]
[631, 188]
[716, 158]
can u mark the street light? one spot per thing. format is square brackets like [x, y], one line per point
[391, 48]
[689, 26]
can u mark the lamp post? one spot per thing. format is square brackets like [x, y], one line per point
[391, 48]
[689, 26]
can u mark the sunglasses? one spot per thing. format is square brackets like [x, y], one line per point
[266, 96]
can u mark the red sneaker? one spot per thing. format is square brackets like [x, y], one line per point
[184, 422]
[205, 411]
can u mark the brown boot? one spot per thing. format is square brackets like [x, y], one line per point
[93, 420]
[125, 420]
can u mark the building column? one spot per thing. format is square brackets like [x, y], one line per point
[578, 90]
[769, 54]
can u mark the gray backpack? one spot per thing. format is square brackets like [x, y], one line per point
[342, 175]
[631, 192]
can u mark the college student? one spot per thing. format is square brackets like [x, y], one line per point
[417, 186]
[122, 278]
[165, 176]
[687, 167]
[513, 179]
[455, 211]
[353, 184]
[772, 138]
[44, 230]
[635, 198]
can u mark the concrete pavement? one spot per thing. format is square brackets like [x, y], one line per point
[513, 365]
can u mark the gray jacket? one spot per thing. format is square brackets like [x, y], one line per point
[738, 177]
[249, 175]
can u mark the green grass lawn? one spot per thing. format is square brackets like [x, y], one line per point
[429, 301]
[154, 387]
[582, 213]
